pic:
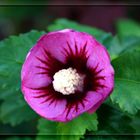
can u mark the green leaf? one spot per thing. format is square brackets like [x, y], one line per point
[15, 110]
[113, 121]
[127, 81]
[136, 122]
[127, 27]
[127, 38]
[13, 51]
[99, 137]
[75, 128]
[115, 48]
[109, 137]
[113, 124]
[137, 137]
[60, 24]
[128, 32]
[18, 138]
[118, 46]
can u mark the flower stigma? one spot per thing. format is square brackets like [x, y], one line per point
[68, 81]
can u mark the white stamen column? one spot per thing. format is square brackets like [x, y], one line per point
[67, 81]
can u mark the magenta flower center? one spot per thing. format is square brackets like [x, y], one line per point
[68, 81]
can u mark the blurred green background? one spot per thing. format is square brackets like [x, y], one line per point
[23, 18]
[20, 19]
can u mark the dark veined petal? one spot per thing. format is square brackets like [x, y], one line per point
[39, 67]
[70, 112]
[42, 102]
[99, 59]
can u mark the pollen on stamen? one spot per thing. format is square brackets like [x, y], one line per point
[67, 81]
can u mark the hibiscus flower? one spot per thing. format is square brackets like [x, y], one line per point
[65, 74]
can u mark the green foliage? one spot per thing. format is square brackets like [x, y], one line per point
[128, 34]
[110, 137]
[127, 81]
[115, 48]
[126, 65]
[126, 27]
[18, 138]
[127, 38]
[113, 124]
[13, 51]
[120, 116]
[135, 123]
[113, 121]
[75, 128]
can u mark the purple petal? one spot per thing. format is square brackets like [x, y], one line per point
[57, 43]
[99, 59]
[44, 109]
[30, 72]
[94, 108]
[91, 99]
[55, 51]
